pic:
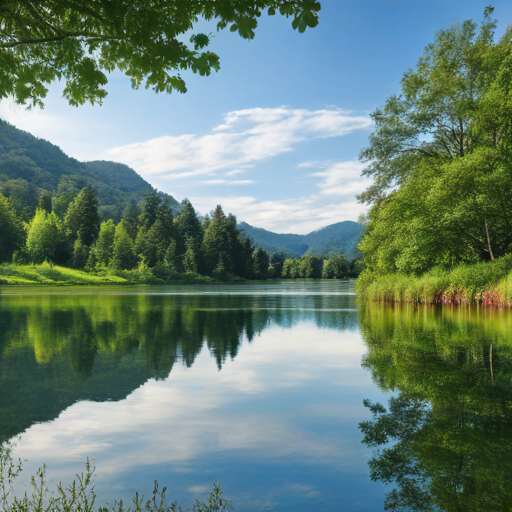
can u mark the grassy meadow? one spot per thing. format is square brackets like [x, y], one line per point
[49, 274]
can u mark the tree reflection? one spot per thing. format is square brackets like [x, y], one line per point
[58, 348]
[445, 439]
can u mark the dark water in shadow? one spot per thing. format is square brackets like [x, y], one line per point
[260, 387]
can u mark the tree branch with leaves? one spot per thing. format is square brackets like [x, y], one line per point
[81, 41]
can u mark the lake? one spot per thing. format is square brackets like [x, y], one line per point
[265, 388]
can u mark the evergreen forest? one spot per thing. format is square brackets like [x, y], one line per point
[154, 237]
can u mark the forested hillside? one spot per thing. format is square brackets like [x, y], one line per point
[104, 218]
[30, 166]
[339, 238]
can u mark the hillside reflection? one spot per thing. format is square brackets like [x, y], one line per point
[57, 349]
[444, 440]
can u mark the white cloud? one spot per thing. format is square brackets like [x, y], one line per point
[245, 138]
[338, 184]
[342, 179]
[236, 172]
[301, 215]
[229, 182]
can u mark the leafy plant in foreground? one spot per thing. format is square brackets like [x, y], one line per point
[79, 496]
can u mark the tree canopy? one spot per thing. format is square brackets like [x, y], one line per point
[440, 156]
[81, 41]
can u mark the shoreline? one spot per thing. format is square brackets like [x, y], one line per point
[48, 275]
[485, 284]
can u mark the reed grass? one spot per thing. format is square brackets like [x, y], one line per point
[487, 283]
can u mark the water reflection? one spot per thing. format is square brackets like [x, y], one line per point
[445, 438]
[62, 346]
[131, 379]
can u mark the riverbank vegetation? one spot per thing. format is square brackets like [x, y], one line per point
[440, 222]
[80, 496]
[486, 283]
[47, 273]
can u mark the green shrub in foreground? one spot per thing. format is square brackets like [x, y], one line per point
[79, 496]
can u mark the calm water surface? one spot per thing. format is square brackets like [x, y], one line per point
[261, 388]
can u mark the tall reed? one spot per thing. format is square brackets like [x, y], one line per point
[487, 283]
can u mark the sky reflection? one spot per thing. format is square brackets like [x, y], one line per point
[276, 426]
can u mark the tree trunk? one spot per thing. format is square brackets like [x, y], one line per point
[461, 125]
[488, 240]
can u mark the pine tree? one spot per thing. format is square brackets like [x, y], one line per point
[220, 272]
[188, 223]
[173, 259]
[191, 256]
[104, 245]
[219, 241]
[80, 253]
[261, 263]
[149, 211]
[123, 254]
[131, 216]
[243, 257]
[156, 230]
[83, 217]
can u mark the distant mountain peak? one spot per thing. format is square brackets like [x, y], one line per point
[341, 237]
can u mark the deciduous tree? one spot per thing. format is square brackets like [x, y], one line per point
[45, 238]
[80, 42]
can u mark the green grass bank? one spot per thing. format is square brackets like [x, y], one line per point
[488, 284]
[48, 274]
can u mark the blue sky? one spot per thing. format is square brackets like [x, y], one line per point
[274, 136]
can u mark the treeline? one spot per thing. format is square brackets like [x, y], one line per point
[441, 158]
[315, 267]
[149, 236]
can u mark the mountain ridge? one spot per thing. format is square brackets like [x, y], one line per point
[338, 238]
[45, 167]
[30, 166]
